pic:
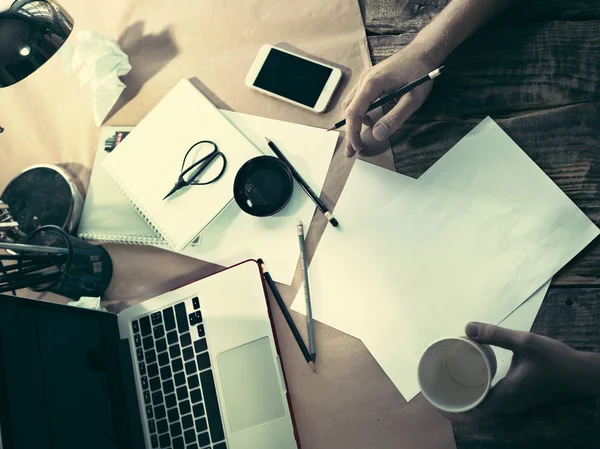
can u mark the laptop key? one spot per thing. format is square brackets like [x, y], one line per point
[177, 364]
[165, 441]
[192, 446]
[189, 436]
[162, 426]
[155, 384]
[198, 410]
[185, 408]
[168, 386]
[145, 326]
[196, 302]
[157, 398]
[147, 397]
[173, 415]
[135, 326]
[200, 330]
[174, 351]
[172, 337]
[203, 361]
[165, 372]
[156, 318]
[193, 381]
[221, 445]
[144, 383]
[201, 424]
[181, 316]
[169, 318]
[190, 367]
[149, 413]
[140, 354]
[195, 318]
[188, 354]
[187, 422]
[175, 429]
[182, 393]
[160, 412]
[161, 345]
[186, 339]
[163, 359]
[200, 345]
[152, 424]
[159, 331]
[153, 370]
[178, 443]
[170, 400]
[196, 396]
[142, 367]
[203, 439]
[212, 405]
[179, 379]
[138, 340]
[150, 356]
[148, 343]
[154, 441]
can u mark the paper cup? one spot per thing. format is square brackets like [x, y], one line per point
[455, 374]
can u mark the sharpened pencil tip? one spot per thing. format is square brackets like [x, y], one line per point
[268, 140]
[313, 367]
[332, 128]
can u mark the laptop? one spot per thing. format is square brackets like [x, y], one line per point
[194, 368]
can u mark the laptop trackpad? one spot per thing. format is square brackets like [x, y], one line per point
[250, 385]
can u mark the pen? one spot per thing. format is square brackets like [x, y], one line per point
[303, 184]
[287, 316]
[309, 321]
[397, 93]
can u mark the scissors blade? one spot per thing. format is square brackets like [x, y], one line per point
[173, 190]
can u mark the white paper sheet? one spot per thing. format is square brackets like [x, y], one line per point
[548, 227]
[235, 235]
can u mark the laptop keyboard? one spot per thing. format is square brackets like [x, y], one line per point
[179, 393]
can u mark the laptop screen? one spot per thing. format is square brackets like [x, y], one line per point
[59, 377]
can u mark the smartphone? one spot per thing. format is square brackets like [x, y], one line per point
[293, 78]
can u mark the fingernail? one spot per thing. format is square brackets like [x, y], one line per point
[349, 152]
[472, 330]
[380, 132]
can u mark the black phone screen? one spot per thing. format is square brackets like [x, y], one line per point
[291, 77]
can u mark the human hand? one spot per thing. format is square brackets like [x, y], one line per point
[398, 70]
[543, 370]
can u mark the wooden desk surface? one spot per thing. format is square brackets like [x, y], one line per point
[536, 71]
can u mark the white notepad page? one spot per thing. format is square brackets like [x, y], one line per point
[148, 162]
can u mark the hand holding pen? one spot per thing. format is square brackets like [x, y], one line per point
[398, 71]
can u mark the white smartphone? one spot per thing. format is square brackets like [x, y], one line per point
[292, 78]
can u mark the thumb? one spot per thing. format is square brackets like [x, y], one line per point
[490, 334]
[394, 119]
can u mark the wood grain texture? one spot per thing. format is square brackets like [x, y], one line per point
[572, 316]
[409, 16]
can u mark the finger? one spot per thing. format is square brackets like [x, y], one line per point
[367, 120]
[394, 119]
[490, 334]
[349, 97]
[357, 109]
[497, 398]
[349, 150]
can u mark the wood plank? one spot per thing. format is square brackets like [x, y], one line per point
[572, 316]
[402, 16]
[563, 141]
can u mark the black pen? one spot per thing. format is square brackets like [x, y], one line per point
[287, 316]
[397, 93]
[303, 184]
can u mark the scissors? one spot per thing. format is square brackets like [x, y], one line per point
[189, 175]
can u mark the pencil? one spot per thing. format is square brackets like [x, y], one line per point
[287, 316]
[309, 321]
[303, 184]
[33, 248]
[397, 93]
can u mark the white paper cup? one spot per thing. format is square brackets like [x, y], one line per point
[455, 374]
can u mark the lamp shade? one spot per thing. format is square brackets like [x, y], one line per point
[31, 31]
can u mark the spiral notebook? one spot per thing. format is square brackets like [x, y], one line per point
[107, 216]
[146, 165]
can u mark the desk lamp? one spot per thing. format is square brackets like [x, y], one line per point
[31, 32]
